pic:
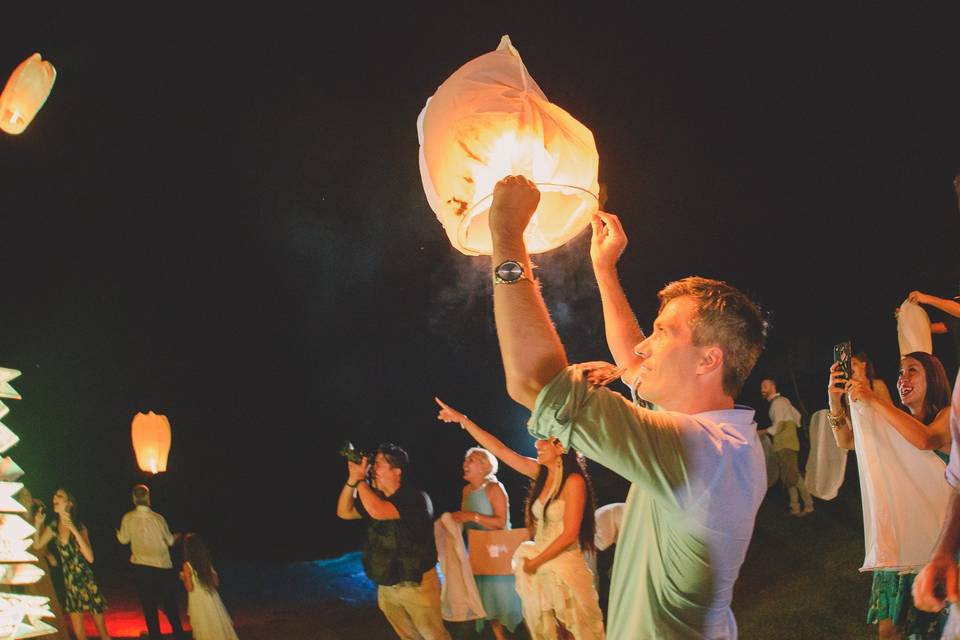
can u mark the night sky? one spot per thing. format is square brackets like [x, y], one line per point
[218, 216]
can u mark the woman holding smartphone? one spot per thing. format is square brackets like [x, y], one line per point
[924, 393]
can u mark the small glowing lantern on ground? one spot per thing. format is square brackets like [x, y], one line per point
[151, 441]
[26, 91]
[489, 120]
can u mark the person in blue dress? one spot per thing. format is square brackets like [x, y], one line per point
[486, 506]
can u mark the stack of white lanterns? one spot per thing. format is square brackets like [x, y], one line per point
[20, 615]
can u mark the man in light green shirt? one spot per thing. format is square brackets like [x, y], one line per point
[696, 464]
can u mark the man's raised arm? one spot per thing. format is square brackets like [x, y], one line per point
[532, 352]
[622, 330]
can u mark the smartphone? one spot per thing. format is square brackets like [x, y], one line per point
[842, 353]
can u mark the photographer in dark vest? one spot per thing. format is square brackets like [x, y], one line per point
[399, 555]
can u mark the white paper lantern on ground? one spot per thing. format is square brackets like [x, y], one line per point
[25, 92]
[489, 120]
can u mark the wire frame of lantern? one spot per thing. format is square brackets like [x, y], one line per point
[25, 92]
[151, 437]
[489, 120]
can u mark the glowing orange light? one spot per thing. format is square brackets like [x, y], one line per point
[151, 441]
[26, 91]
[489, 120]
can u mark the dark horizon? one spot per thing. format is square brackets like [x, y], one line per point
[218, 216]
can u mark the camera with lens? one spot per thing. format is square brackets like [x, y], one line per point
[353, 454]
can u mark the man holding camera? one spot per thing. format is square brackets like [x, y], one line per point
[399, 554]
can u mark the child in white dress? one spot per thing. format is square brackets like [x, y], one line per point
[208, 617]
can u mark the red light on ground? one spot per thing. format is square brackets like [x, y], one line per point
[127, 623]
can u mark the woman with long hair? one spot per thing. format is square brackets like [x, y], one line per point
[208, 617]
[553, 580]
[40, 546]
[924, 393]
[76, 555]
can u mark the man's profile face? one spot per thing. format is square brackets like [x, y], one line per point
[670, 358]
[383, 472]
[768, 389]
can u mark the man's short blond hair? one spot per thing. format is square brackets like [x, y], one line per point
[725, 317]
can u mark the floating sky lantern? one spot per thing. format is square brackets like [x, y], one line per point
[151, 441]
[26, 91]
[489, 120]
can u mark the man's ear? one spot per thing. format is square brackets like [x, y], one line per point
[710, 360]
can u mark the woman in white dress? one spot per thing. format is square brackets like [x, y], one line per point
[208, 617]
[923, 423]
[553, 579]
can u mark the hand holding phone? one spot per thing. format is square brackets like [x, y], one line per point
[843, 353]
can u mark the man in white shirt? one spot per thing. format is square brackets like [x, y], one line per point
[784, 420]
[149, 537]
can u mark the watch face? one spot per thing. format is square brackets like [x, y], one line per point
[510, 271]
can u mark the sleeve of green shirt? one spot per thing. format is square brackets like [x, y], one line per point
[643, 446]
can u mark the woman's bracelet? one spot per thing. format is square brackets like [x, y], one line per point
[355, 484]
[465, 418]
[836, 421]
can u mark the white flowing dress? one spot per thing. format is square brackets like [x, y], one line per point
[562, 588]
[208, 617]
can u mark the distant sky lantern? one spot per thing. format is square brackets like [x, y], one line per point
[26, 91]
[151, 441]
[489, 120]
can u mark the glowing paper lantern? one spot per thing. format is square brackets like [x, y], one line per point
[151, 441]
[489, 120]
[26, 91]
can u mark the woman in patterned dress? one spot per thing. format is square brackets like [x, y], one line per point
[76, 554]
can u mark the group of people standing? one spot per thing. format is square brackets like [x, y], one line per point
[693, 458]
[64, 540]
[694, 461]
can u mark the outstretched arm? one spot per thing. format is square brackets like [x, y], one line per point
[531, 349]
[622, 330]
[521, 464]
[936, 435]
[947, 306]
